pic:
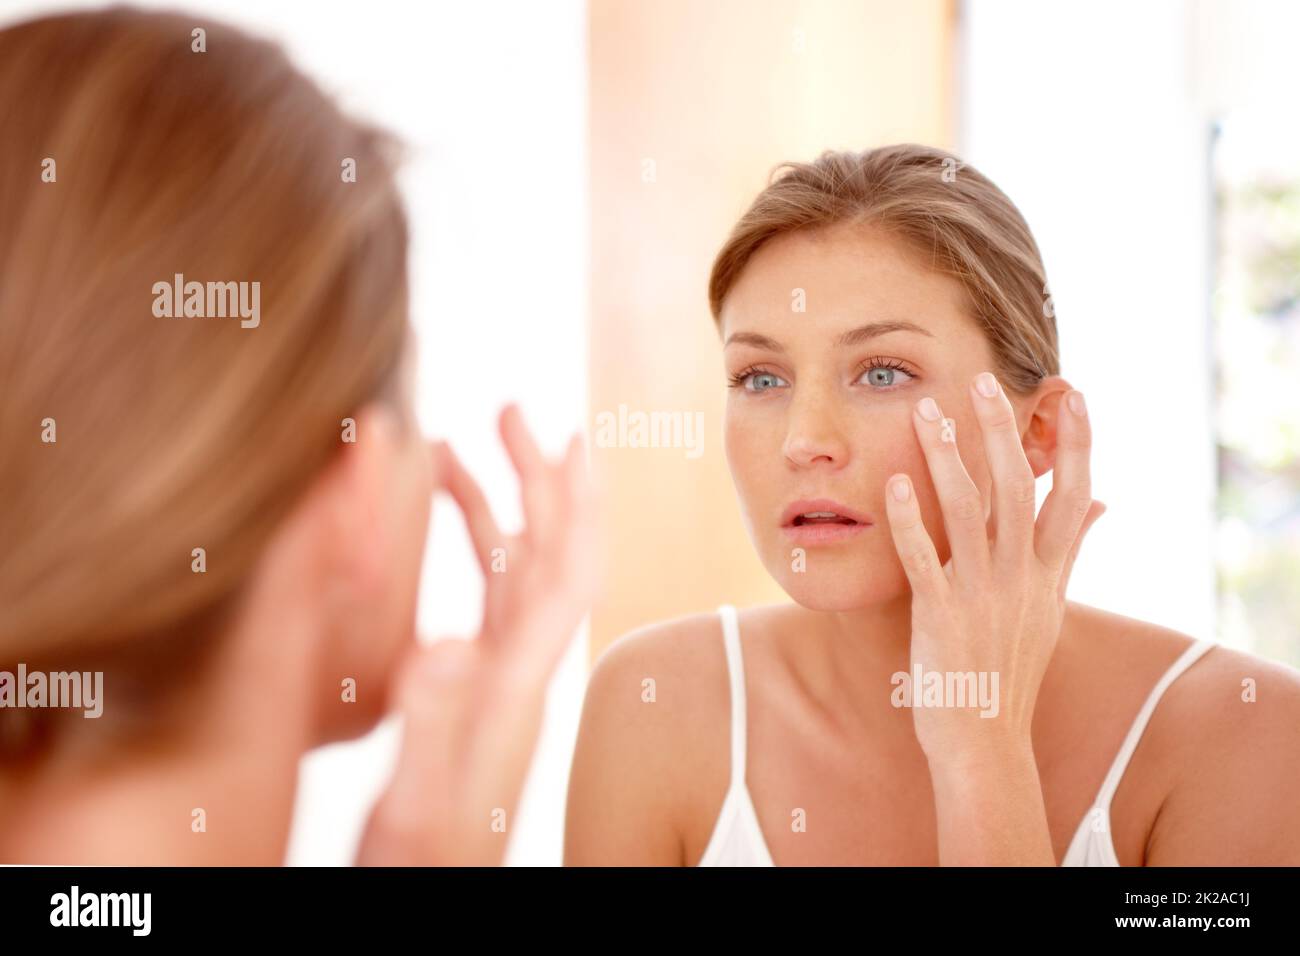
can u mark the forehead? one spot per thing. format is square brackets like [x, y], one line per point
[846, 277]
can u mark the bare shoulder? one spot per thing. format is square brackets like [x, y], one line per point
[666, 664]
[652, 738]
[1226, 737]
[1106, 643]
[1224, 693]
[665, 643]
[1231, 725]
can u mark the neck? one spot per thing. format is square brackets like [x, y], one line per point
[216, 786]
[847, 658]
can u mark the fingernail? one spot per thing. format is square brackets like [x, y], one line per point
[901, 489]
[1076, 403]
[986, 384]
[929, 410]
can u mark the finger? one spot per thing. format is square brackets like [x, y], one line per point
[959, 499]
[565, 581]
[1071, 496]
[1095, 512]
[911, 540]
[538, 486]
[1013, 478]
[484, 534]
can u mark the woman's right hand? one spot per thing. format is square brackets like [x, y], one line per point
[473, 709]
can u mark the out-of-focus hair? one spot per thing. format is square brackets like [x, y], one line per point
[173, 433]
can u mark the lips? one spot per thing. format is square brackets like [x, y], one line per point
[820, 511]
[822, 521]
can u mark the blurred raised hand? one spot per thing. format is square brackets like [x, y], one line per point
[472, 709]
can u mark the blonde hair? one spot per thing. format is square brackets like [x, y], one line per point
[173, 433]
[956, 218]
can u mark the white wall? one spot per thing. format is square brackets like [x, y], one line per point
[491, 98]
[1091, 118]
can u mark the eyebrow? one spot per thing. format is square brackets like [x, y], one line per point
[856, 336]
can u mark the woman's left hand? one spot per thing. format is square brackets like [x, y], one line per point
[995, 608]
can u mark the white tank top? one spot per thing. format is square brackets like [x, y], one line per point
[737, 839]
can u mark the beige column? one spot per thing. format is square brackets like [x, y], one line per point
[693, 102]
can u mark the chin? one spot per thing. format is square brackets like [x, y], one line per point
[342, 720]
[353, 720]
[839, 583]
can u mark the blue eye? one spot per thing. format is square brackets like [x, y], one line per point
[762, 381]
[881, 374]
[756, 380]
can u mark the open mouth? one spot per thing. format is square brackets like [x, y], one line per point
[822, 521]
[822, 517]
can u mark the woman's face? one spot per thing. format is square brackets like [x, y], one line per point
[831, 338]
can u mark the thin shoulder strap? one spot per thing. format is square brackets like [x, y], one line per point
[736, 674]
[1111, 783]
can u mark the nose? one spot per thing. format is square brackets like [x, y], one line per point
[813, 436]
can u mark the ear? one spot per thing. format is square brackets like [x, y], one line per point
[350, 497]
[1039, 415]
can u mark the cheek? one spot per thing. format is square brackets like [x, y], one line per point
[889, 448]
[752, 448]
[907, 455]
[408, 512]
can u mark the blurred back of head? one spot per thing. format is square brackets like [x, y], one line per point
[130, 158]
